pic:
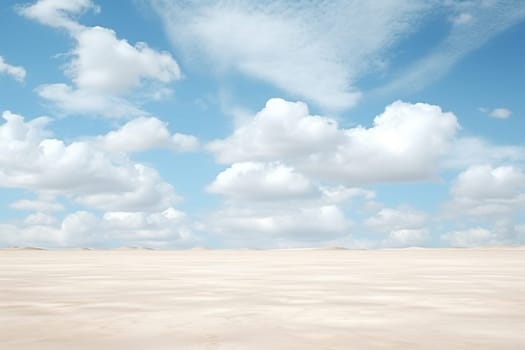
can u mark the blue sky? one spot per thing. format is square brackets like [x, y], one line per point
[240, 124]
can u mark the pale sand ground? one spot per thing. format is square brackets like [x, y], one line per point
[304, 299]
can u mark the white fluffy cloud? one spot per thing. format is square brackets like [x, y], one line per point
[341, 194]
[100, 82]
[145, 133]
[469, 238]
[407, 238]
[261, 181]
[485, 190]
[78, 170]
[406, 142]
[39, 219]
[57, 13]
[470, 151]
[503, 232]
[41, 205]
[486, 182]
[167, 228]
[74, 101]
[285, 154]
[272, 205]
[273, 225]
[143, 190]
[314, 50]
[169, 225]
[284, 162]
[390, 219]
[16, 72]
[122, 66]
[137, 202]
[403, 226]
[281, 130]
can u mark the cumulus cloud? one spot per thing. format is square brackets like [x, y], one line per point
[402, 226]
[167, 228]
[470, 151]
[261, 181]
[407, 238]
[39, 219]
[122, 66]
[313, 50]
[272, 205]
[485, 182]
[503, 232]
[285, 162]
[341, 194]
[270, 226]
[468, 238]
[390, 219]
[143, 190]
[100, 83]
[78, 170]
[41, 205]
[483, 190]
[145, 133]
[281, 130]
[284, 154]
[57, 13]
[74, 101]
[16, 72]
[406, 142]
[33, 235]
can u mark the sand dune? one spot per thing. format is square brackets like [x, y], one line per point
[249, 299]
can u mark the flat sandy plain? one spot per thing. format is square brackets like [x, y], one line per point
[247, 299]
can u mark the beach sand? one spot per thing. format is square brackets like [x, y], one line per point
[255, 299]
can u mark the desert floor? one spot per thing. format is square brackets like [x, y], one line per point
[297, 299]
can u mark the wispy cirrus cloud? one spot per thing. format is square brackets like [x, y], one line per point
[319, 51]
[474, 23]
[315, 50]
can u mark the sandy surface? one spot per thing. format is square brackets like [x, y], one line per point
[309, 299]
